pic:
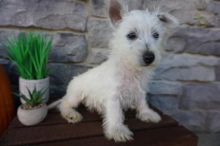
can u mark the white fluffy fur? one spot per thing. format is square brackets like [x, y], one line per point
[120, 82]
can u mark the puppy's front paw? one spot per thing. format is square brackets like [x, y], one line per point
[149, 116]
[119, 133]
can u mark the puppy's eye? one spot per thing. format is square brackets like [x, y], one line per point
[132, 36]
[155, 35]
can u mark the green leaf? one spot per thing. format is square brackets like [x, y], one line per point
[35, 96]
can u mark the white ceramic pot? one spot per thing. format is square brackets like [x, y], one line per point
[33, 116]
[41, 84]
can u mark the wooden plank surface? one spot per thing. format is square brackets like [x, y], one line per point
[169, 136]
[56, 131]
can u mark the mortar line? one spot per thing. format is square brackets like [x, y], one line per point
[33, 28]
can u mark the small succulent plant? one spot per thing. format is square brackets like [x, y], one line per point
[35, 97]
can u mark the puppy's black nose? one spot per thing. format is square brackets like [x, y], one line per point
[148, 57]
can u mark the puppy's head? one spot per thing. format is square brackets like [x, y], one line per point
[139, 34]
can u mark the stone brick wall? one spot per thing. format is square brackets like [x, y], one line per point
[187, 84]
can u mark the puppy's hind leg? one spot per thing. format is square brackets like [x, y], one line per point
[67, 110]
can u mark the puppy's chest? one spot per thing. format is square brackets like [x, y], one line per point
[129, 88]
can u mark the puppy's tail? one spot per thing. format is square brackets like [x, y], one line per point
[54, 104]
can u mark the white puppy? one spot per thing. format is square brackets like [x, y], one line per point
[121, 82]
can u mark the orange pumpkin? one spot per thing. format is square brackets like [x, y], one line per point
[7, 109]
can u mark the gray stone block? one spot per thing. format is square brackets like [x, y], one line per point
[188, 12]
[99, 33]
[57, 92]
[134, 5]
[217, 73]
[61, 74]
[193, 120]
[3, 52]
[194, 73]
[200, 41]
[69, 48]
[99, 8]
[175, 44]
[4, 36]
[208, 139]
[169, 5]
[196, 18]
[214, 6]
[201, 96]
[201, 4]
[97, 56]
[213, 121]
[49, 14]
[187, 60]
[3, 61]
[165, 88]
[211, 48]
[187, 67]
[167, 104]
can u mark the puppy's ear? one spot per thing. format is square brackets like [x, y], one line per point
[116, 11]
[168, 20]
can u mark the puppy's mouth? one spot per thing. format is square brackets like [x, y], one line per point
[148, 58]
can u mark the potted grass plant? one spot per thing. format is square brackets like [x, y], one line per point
[34, 110]
[30, 52]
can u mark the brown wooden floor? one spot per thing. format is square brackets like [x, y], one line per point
[54, 131]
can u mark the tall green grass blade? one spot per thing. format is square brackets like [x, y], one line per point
[30, 53]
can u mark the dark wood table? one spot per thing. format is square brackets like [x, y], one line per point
[54, 131]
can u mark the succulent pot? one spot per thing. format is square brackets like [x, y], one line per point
[40, 84]
[32, 116]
